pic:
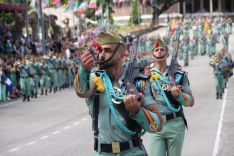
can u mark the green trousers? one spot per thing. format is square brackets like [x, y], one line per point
[186, 58]
[169, 141]
[25, 86]
[45, 82]
[219, 81]
[35, 83]
[54, 78]
[3, 92]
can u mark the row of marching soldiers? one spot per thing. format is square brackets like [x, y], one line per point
[222, 64]
[45, 74]
[197, 35]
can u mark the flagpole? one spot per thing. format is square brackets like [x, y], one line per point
[49, 17]
[27, 23]
[42, 27]
[102, 16]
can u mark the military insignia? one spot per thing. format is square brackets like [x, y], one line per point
[117, 91]
[99, 84]
[163, 85]
[153, 127]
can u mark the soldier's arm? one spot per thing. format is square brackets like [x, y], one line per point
[83, 86]
[185, 98]
[148, 115]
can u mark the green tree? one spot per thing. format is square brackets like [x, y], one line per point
[161, 6]
[135, 17]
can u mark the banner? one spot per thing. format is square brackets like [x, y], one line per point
[92, 4]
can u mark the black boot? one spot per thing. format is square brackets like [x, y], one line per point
[50, 90]
[24, 98]
[35, 95]
[46, 92]
[60, 88]
[217, 95]
[221, 96]
[42, 92]
[28, 98]
[54, 90]
[32, 94]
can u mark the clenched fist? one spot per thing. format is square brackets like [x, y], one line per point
[87, 60]
[175, 91]
[132, 103]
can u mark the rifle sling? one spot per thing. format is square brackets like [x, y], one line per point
[131, 124]
[173, 101]
[96, 104]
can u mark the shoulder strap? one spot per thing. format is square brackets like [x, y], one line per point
[96, 104]
[52, 63]
[26, 70]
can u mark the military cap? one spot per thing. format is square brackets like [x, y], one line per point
[109, 38]
[159, 43]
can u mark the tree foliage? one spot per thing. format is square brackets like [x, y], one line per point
[135, 16]
[160, 6]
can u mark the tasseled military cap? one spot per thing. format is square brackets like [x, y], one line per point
[109, 38]
[158, 43]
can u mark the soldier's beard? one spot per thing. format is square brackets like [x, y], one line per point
[106, 66]
[103, 65]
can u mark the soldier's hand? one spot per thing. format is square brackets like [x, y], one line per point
[132, 103]
[87, 60]
[175, 91]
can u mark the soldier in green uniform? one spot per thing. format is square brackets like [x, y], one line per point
[25, 79]
[169, 141]
[34, 69]
[218, 74]
[192, 47]
[209, 44]
[225, 40]
[53, 73]
[202, 43]
[185, 53]
[117, 116]
[229, 26]
[44, 76]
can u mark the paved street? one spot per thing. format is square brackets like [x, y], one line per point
[59, 124]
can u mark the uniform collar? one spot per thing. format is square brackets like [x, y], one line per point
[157, 70]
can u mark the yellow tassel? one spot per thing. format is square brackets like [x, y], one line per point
[154, 76]
[99, 84]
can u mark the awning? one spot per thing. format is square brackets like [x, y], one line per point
[12, 8]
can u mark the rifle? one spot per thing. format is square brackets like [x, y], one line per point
[133, 70]
[173, 67]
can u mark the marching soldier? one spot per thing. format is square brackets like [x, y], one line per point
[225, 40]
[229, 26]
[185, 53]
[53, 73]
[192, 47]
[202, 43]
[218, 72]
[25, 79]
[210, 44]
[45, 81]
[116, 116]
[34, 69]
[169, 141]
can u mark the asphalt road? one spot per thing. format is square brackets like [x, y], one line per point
[59, 124]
